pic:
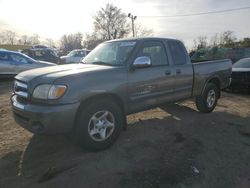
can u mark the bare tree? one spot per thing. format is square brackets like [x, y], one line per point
[2, 38]
[91, 41]
[25, 40]
[71, 42]
[141, 31]
[215, 40]
[35, 39]
[9, 37]
[200, 42]
[227, 39]
[50, 42]
[111, 23]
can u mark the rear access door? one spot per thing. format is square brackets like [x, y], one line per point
[183, 70]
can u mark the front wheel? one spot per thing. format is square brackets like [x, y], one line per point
[99, 124]
[208, 100]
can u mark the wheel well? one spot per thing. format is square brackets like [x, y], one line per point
[215, 81]
[111, 97]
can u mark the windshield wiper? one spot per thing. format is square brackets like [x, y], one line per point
[101, 63]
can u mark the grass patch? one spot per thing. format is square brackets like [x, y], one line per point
[14, 47]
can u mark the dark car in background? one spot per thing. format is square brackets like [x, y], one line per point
[12, 63]
[241, 74]
[42, 53]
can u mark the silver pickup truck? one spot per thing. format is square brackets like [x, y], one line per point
[117, 78]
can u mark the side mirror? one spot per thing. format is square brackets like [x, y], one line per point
[142, 62]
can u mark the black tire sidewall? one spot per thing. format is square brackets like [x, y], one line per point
[81, 130]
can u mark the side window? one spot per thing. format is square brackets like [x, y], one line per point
[39, 53]
[19, 59]
[155, 51]
[178, 52]
[3, 57]
[80, 54]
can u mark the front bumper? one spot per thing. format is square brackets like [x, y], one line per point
[44, 119]
[239, 84]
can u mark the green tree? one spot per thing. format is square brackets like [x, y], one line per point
[245, 43]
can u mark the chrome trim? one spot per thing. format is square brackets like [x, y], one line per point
[16, 104]
[142, 62]
[18, 85]
[22, 94]
[22, 85]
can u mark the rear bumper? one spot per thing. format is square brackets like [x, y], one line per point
[44, 119]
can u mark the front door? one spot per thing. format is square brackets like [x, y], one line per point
[6, 66]
[148, 86]
[21, 63]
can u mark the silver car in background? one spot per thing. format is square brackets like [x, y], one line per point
[75, 56]
[12, 63]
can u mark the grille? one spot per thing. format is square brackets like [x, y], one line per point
[248, 76]
[242, 76]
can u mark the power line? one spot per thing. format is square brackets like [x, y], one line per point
[197, 14]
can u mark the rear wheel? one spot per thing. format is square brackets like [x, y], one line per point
[99, 124]
[208, 100]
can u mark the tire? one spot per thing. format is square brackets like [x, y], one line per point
[208, 100]
[99, 124]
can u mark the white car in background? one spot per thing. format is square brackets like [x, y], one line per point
[75, 56]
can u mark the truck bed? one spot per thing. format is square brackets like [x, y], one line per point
[203, 71]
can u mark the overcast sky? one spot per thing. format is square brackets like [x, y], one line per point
[53, 18]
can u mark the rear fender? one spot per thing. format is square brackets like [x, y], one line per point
[215, 80]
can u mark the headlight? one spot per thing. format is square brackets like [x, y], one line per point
[48, 91]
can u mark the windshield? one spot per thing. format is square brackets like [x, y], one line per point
[110, 53]
[243, 63]
[72, 53]
[29, 59]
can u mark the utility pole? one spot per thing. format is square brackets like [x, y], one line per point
[132, 19]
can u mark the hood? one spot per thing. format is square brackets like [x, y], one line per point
[45, 63]
[52, 73]
[238, 69]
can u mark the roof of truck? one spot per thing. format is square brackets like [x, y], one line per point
[143, 38]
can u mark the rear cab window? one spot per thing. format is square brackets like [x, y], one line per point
[178, 52]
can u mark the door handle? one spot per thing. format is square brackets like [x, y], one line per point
[167, 72]
[178, 71]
